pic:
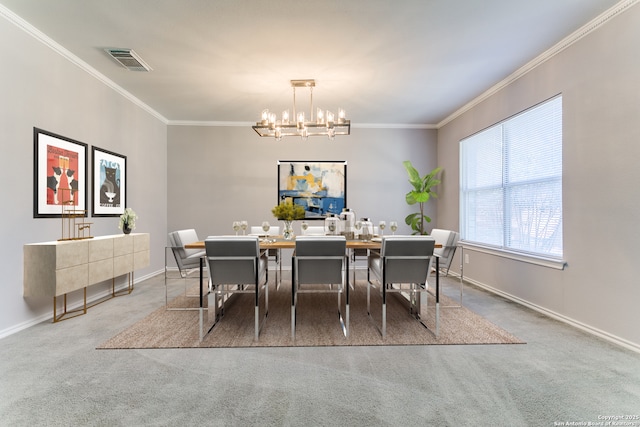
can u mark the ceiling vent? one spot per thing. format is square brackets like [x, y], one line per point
[128, 59]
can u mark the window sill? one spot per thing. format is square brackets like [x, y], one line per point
[555, 263]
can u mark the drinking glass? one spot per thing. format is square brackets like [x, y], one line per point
[304, 226]
[236, 226]
[244, 225]
[394, 226]
[266, 226]
[382, 225]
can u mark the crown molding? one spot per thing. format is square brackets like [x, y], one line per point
[47, 41]
[209, 123]
[574, 37]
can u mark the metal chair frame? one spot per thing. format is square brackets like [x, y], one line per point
[342, 288]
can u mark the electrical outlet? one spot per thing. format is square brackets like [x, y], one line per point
[466, 258]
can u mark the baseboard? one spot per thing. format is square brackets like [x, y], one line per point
[49, 316]
[557, 316]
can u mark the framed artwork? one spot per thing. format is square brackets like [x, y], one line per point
[319, 187]
[59, 174]
[108, 183]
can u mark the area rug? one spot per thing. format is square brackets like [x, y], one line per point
[317, 324]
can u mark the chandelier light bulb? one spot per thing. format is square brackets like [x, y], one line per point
[341, 115]
[330, 119]
[285, 117]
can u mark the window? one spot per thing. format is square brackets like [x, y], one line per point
[511, 183]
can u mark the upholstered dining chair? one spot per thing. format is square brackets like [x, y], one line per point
[448, 239]
[187, 260]
[319, 263]
[237, 265]
[314, 230]
[401, 266]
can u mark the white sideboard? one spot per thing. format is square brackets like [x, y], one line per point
[53, 269]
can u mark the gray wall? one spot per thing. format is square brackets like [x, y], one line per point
[220, 174]
[41, 88]
[598, 78]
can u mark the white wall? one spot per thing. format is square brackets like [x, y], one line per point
[220, 174]
[598, 78]
[40, 88]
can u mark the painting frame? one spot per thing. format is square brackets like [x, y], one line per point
[320, 187]
[108, 196]
[66, 159]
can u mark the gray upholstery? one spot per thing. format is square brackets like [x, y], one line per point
[401, 266]
[320, 260]
[235, 262]
[449, 241]
[185, 258]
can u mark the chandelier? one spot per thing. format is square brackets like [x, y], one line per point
[325, 123]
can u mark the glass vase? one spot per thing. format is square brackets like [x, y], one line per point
[288, 230]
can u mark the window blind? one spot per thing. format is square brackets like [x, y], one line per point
[511, 183]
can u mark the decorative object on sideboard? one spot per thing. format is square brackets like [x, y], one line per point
[128, 221]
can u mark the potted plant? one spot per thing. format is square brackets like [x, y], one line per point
[420, 194]
[128, 221]
[288, 211]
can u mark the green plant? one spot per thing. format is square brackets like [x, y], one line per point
[288, 211]
[420, 194]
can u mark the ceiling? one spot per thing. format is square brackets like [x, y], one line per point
[402, 62]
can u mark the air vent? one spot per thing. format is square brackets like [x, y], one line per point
[128, 59]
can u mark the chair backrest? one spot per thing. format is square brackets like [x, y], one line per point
[448, 239]
[320, 259]
[406, 258]
[233, 259]
[314, 230]
[177, 240]
[274, 230]
[258, 231]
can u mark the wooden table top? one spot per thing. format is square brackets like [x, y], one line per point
[279, 243]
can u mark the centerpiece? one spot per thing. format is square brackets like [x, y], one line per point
[288, 211]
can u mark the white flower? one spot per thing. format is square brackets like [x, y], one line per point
[128, 219]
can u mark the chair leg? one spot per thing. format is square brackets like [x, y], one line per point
[384, 319]
[257, 323]
[384, 310]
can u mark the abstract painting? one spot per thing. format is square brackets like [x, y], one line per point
[319, 187]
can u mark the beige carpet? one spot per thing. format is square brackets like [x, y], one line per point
[317, 324]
